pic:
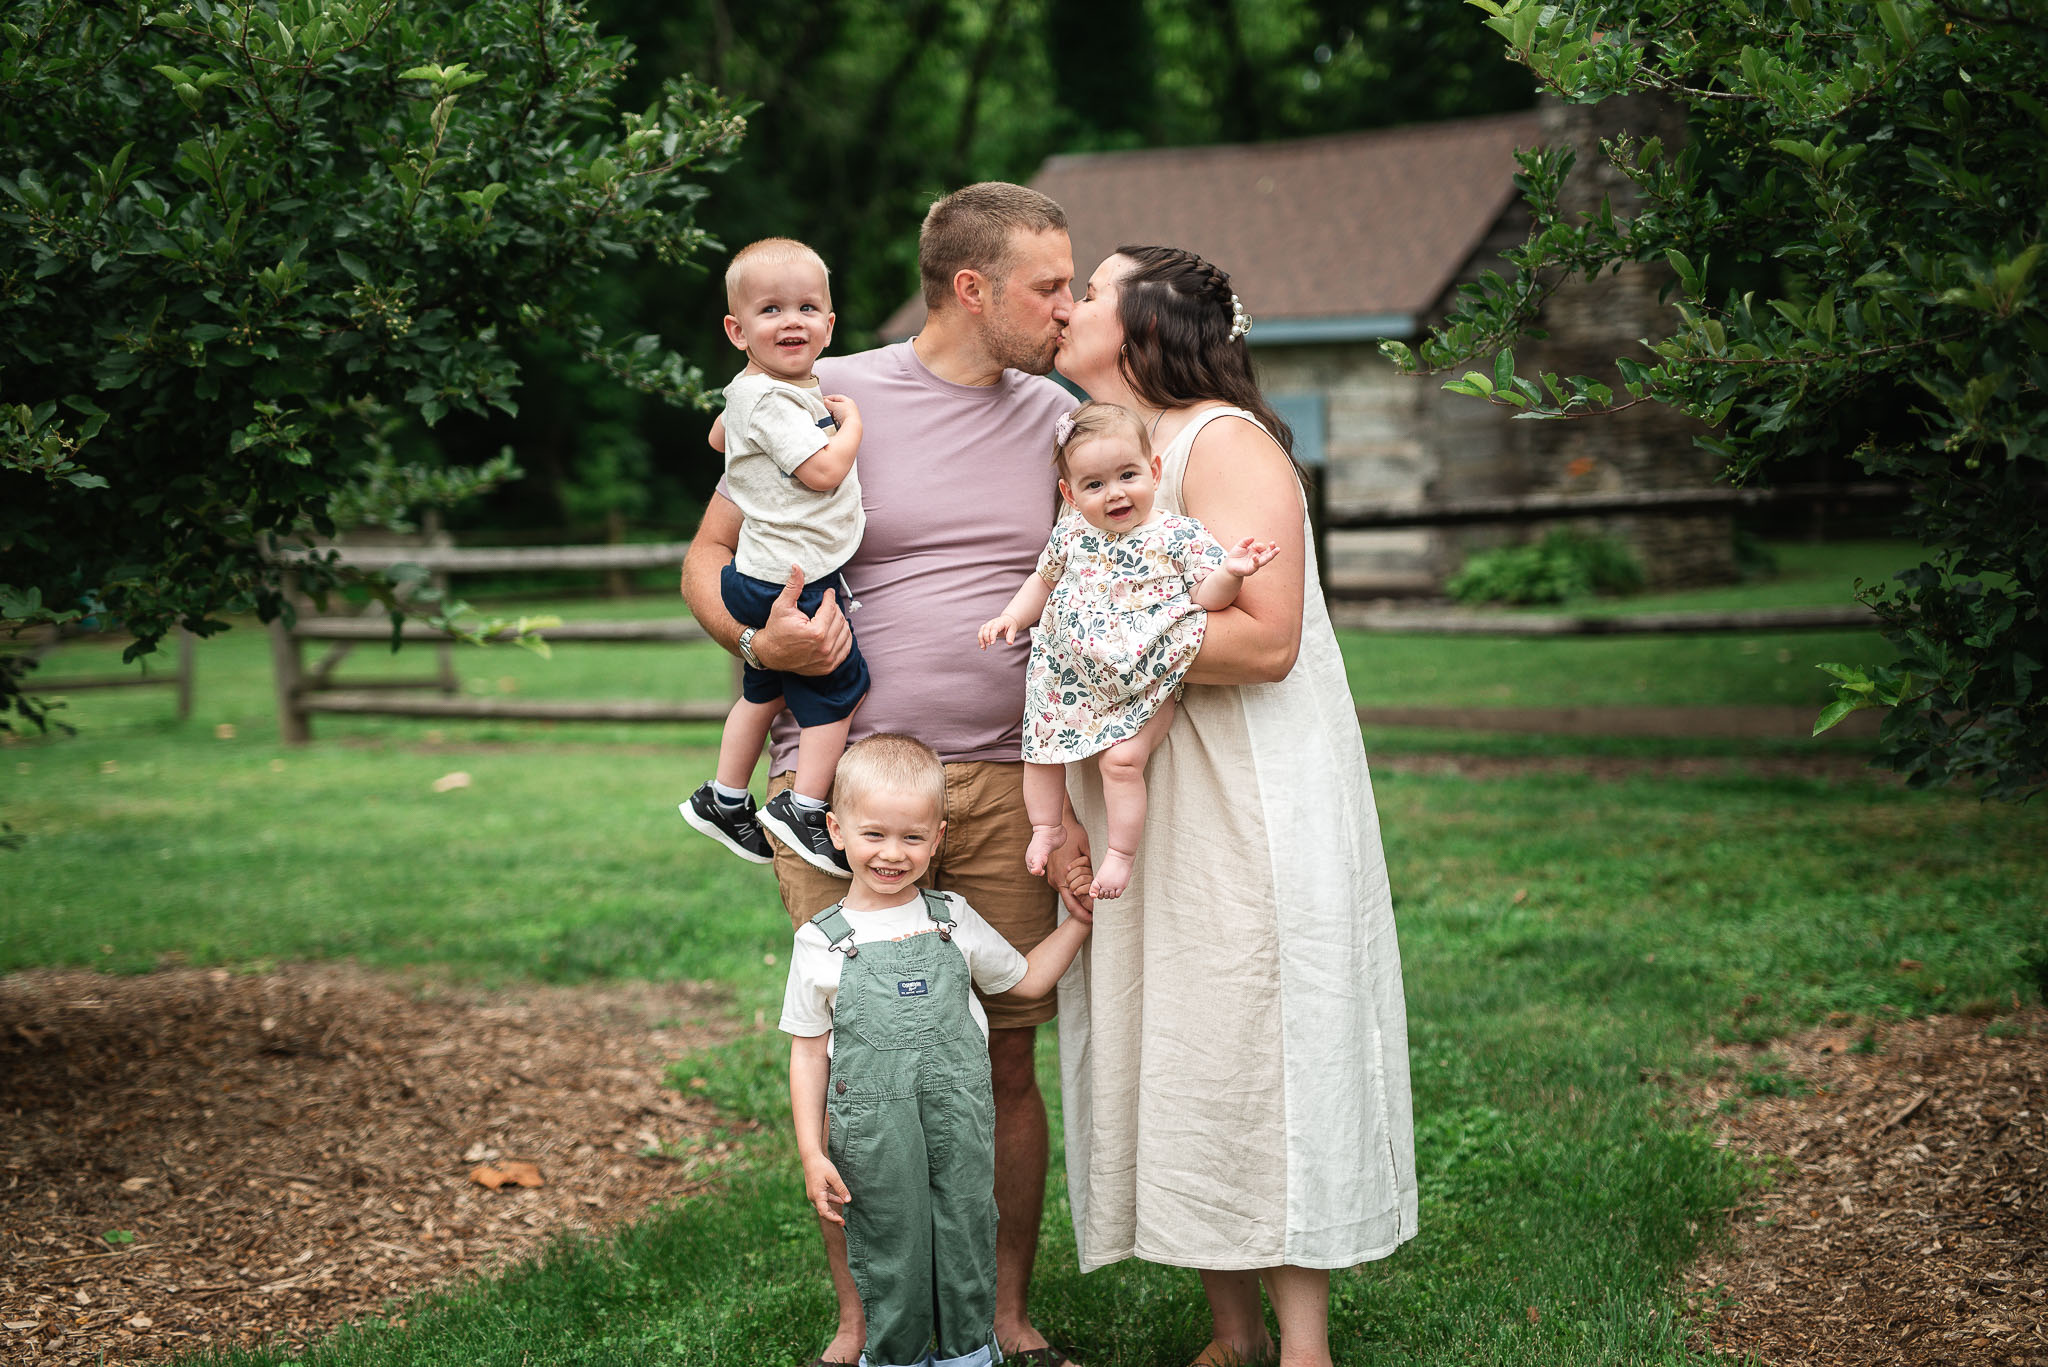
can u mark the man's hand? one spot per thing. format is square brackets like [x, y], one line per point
[796, 644]
[826, 1192]
[1070, 871]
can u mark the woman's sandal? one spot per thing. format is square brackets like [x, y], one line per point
[1215, 1354]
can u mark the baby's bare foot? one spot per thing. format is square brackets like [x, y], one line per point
[1044, 840]
[1113, 877]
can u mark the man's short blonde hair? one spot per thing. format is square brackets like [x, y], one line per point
[769, 251]
[975, 228]
[889, 763]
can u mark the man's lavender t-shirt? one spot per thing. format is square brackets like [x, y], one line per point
[959, 489]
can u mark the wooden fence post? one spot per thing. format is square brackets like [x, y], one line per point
[288, 668]
[186, 650]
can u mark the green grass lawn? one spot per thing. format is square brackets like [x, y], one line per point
[1570, 945]
[1716, 669]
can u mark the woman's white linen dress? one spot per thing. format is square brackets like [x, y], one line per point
[1233, 1038]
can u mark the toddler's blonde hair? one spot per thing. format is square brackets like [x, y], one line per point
[768, 251]
[1091, 422]
[889, 762]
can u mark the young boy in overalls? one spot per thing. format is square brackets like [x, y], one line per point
[888, 1040]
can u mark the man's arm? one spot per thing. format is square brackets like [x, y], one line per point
[1069, 870]
[790, 642]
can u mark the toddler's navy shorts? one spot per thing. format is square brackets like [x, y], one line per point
[813, 699]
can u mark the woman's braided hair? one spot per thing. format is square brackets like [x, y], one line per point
[1177, 313]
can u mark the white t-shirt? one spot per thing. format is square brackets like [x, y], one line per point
[772, 427]
[992, 962]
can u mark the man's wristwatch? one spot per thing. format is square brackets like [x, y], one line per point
[746, 644]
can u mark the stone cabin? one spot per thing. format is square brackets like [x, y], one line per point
[1336, 243]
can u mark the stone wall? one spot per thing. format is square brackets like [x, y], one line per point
[1400, 441]
[1649, 446]
[1396, 441]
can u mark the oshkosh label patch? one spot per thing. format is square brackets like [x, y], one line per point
[912, 987]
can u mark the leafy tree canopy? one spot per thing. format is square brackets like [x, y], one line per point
[1855, 233]
[240, 236]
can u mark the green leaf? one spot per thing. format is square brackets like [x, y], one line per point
[1837, 710]
[18, 604]
[353, 265]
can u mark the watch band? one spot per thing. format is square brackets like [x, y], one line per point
[746, 644]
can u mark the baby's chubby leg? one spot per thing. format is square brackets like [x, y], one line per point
[1123, 793]
[1045, 802]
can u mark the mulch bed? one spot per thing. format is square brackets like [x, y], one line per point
[1908, 1224]
[293, 1149]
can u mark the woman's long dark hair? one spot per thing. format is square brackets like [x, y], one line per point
[1175, 308]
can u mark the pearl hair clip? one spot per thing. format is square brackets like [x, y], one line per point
[1063, 429]
[1240, 321]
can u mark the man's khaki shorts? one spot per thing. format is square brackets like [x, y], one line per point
[981, 858]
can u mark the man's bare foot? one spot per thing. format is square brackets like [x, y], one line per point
[1113, 877]
[1044, 840]
[840, 1352]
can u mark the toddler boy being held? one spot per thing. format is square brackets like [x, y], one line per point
[888, 1040]
[789, 457]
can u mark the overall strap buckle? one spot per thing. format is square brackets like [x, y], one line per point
[936, 907]
[832, 924]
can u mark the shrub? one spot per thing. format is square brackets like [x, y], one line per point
[1856, 243]
[1562, 566]
[236, 236]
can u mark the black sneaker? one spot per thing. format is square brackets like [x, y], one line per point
[738, 829]
[803, 830]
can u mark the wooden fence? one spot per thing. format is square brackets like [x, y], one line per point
[48, 639]
[304, 691]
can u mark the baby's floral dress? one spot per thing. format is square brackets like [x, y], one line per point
[1118, 632]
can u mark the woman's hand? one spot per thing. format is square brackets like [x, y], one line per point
[1004, 626]
[827, 1193]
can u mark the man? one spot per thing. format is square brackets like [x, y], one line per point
[956, 475]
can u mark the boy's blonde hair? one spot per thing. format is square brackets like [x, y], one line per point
[1091, 422]
[975, 228]
[889, 763]
[769, 251]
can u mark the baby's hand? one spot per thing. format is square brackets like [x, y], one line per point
[1249, 556]
[844, 411]
[826, 1191]
[1004, 626]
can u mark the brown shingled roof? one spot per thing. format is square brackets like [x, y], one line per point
[1354, 224]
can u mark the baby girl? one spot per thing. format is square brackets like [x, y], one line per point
[1117, 587]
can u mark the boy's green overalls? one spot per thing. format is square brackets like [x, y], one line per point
[912, 1132]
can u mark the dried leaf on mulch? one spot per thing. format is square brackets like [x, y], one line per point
[1908, 1222]
[292, 1149]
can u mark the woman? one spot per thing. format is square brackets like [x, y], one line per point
[1233, 1043]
